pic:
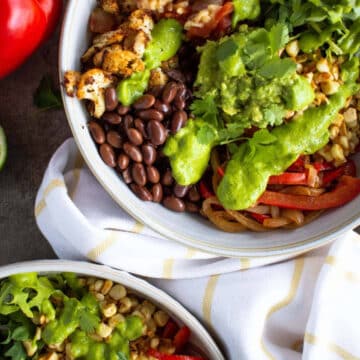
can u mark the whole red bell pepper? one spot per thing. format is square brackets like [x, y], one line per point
[346, 190]
[24, 24]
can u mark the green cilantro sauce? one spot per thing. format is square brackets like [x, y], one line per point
[166, 40]
[26, 295]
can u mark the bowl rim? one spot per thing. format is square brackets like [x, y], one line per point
[320, 239]
[130, 281]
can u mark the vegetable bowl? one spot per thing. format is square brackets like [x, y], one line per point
[63, 309]
[258, 137]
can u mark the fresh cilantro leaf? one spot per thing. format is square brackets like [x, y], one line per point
[263, 137]
[206, 109]
[121, 356]
[278, 68]
[88, 321]
[16, 352]
[226, 49]
[21, 333]
[232, 132]
[279, 37]
[46, 97]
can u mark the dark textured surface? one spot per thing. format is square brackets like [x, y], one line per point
[33, 136]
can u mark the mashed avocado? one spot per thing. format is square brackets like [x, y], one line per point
[241, 83]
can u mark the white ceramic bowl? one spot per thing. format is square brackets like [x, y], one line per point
[185, 228]
[199, 336]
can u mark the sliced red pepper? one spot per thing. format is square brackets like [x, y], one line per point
[323, 166]
[349, 168]
[220, 171]
[346, 190]
[181, 338]
[204, 191]
[298, 165]
[289, 178]
[161, 356]
[259, 217]
[170, 329]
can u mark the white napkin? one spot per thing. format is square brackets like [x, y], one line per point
[271, 312]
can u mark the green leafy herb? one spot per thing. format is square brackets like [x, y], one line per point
[206, 109]
[16, 352]
[88, 321]
[278, 68]
[46, 96]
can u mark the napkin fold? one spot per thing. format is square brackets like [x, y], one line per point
[302, 308]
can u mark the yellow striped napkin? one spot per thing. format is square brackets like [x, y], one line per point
[305, 308]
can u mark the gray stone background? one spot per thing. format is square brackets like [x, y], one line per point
[33, 136]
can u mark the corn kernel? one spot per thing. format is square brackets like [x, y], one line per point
[125, 305]
[117, 292]
[330, 87]
[337, 152]
[98, 285]
[109, 310]
[115, 320]
[292, 48]
[104, 330]
[106, 287]
[323, 66]
[161, 318]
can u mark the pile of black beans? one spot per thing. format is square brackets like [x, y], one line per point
[130, 140]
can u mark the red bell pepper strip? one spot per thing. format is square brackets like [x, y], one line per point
[204, 191]
[349, 168]
[220, 171]
[298, 165]
[161, 356]
[181, 338]
[346, 190]
[170, 329]
[323, 166]
[289, 178]
[259, 217]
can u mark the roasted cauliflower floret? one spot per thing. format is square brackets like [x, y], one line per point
[136, 42]
[140, 20]
[92, 87]
[157, 78]
[153, 5]
[110, 6]
[121, 62]
[71, 81]
[103, 40]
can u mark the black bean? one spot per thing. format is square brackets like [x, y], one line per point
[126, 174]
[135, 136]
[149, 154]
[163, 107]
[107, 154]
[176, 75]
[112, 118]
[122, 109]
[111, 100]
[179, 103]
[142, 192]
[156, 132]
[178, 120]
[133, 152]
[128, 122]
[193, 194]
[114, 139]
[180, 191]
[138, 174]
[191, 207]
[169, 92]
[153, 174]
[97, 132]
[167, 178]
[144, 102]
[123, 161]
[173, 203]
[157, 192]
[151, 114]
[139, 124]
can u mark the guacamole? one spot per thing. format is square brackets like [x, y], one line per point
[240, 84]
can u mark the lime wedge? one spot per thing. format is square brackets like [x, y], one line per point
[3, 148]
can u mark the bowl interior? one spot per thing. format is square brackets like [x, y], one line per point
[186, 228]
[200, 339]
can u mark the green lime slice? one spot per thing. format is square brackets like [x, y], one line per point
[3, 148]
